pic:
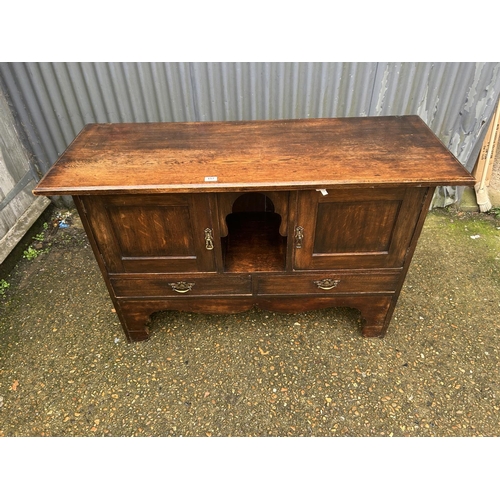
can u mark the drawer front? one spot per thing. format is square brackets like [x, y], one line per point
[182, 285]
[328, 283]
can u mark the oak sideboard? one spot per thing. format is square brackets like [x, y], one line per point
[285, 215]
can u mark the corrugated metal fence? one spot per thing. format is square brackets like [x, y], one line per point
[53, 101]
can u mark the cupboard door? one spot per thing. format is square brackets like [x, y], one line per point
[152, 233]
[355, 228]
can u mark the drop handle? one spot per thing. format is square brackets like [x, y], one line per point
[299, 236]
[327, 283]
[181, 286]
[209, 240]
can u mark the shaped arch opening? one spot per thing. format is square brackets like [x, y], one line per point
[253, 242]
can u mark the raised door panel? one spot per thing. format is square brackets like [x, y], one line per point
[153, 233]
[355, 228]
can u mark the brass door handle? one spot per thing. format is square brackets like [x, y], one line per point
[181, 286]
[327, 283]
[299, 236]
[209, 240]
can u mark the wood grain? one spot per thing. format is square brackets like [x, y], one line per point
[135, 314]
[277, 154]
[365, 228]
[155, 233]
[141, 192]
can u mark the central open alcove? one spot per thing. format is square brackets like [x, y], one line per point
[253, 242]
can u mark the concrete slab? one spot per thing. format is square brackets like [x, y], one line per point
[21, 227]
[468, 202]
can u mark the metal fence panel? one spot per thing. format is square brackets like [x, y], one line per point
[54, 100]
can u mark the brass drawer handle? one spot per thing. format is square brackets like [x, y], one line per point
[299, 236]
[209, 241]
[181, 286]
[327, 283]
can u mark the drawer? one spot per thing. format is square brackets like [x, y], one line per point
[182, 285]
[328, 283]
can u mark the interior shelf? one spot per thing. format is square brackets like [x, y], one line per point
[253, 243]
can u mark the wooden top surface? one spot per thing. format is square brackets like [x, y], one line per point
[282, 154]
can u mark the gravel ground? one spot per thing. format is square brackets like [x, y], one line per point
[66, 370]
